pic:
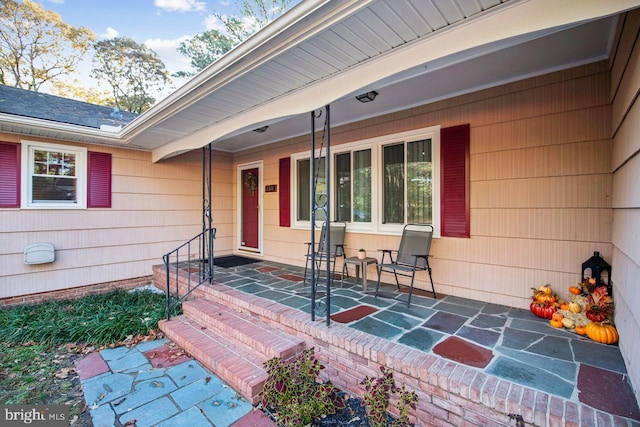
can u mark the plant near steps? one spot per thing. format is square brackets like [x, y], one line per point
[378, 392]
[293, 390]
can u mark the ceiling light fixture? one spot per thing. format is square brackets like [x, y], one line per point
[262, 129]
[367, 97]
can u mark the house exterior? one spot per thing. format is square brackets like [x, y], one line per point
[516, 123]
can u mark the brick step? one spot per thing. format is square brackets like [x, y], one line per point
[243, 329]
[238, 367]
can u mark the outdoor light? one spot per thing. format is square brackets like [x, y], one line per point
[262, 129]
[367, 97]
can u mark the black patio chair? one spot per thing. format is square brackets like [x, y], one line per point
[412, 255]
[336, 237]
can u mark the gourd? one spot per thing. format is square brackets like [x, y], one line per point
[557, 316]
[581, 330]
[555, 323]
[542, 310]
[545, 289]
[602, 332]
[574, 307]
[564, 306]
[575, 290]
[568, 323]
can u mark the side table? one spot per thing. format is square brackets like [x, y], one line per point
[361, 264]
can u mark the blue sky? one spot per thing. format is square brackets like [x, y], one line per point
[159, 24]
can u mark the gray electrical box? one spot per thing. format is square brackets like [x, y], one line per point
[39, 253]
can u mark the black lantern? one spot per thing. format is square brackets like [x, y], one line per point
[597, 265]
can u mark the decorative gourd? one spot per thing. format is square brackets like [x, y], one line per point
[542, 310]
[555, 323]
[545, 289]
[575, 290]
[581, 330]
[557, 316]
[568, 323]
[602, 332]
[564, 306]
[544, 298]
[574, 307]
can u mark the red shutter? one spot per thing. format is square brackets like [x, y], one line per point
[456, 207]
[9, 175]
[284, 194]
[99, 180]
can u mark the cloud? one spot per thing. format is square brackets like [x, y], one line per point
[180, 5]
[56, 1]
[167, 50]
[110, 33]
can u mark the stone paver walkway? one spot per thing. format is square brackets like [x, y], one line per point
[155, 384]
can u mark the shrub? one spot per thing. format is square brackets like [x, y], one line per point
[377, 397]
[293, 391]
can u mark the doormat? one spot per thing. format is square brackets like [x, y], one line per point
[233, 261]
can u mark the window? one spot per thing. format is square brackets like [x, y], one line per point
[55, 176]
[377, 185]
[41, 175]
[407, 197]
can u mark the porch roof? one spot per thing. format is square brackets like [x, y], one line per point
[327, 51]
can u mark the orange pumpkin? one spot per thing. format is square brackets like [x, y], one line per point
[602, 332]
[545, 298]
[557, 316]
[581, 330]
[575, 290]
[555, 323]
[564, 306]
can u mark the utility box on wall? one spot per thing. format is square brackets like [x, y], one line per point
[39, 253]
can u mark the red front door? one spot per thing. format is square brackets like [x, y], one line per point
[250, 208]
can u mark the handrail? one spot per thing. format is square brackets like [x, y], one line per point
[194, 254]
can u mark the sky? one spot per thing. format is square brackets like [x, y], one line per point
[158, 24]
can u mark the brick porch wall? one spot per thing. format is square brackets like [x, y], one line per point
[77, 292]
[450, 394]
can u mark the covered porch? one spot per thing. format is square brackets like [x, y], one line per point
[471, 362]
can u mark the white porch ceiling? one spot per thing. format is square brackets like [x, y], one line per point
[411, 52]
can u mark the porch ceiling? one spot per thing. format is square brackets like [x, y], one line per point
[411, 52]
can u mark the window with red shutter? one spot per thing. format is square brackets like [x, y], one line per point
[284, 193]
[9, 175]
[455, 202]
[98, 180]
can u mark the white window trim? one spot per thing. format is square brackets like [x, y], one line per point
[376, 145]
[26, 187]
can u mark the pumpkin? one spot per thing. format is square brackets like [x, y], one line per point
[581, 330]
[595, 315]
[545, 298]
[575, 290]
[545, 289]
[574, 307]
[602, 333]
[568, 323]
[542, 310]
[564, 306]
[555, 323]
[557, 316]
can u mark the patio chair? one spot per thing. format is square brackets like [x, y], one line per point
[336, 235]
[412, 255]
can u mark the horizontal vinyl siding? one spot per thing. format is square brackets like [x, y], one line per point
[541, 186]
[625, 270]
[154, 208]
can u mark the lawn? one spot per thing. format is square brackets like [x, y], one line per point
[39, 344]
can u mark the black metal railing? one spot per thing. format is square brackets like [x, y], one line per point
[194, 259]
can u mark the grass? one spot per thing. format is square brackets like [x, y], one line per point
[39, 343]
